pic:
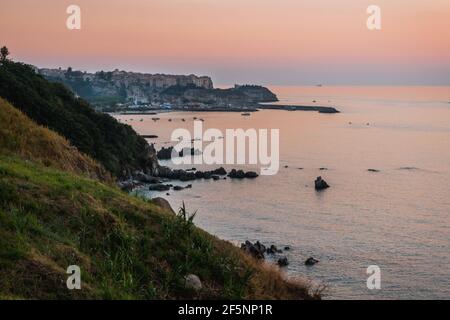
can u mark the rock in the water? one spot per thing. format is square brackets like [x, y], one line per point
[215, 177]
[251, 174]
[221, 171]
[159, 187]
[256, 250]
[282, 262]
[287, 248]
[236, 174]
[163, 203]
[311, 261]
[193, 282]
[178, 188]
[320, 184]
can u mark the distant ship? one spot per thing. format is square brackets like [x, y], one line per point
[319, 85]
[245, 114]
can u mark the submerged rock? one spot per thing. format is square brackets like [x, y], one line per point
[320, 184]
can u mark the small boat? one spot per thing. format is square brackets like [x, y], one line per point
[245, 114]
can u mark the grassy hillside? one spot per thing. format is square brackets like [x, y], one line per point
[21, 136]
[116, 146]
[127, 248]
[52, 215]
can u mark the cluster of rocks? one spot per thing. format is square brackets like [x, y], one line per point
[190, 174]
[257, 250]
[240, 174]
[163, 174]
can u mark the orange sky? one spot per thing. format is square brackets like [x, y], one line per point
[263, 41]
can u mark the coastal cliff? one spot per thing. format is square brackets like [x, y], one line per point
[60, 208]
[119, 88]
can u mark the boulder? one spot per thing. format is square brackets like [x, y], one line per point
[220, 171]
[178, 188]
[215, 177]
[199, 174]
[236, 174]
[251, 174]
[193, 282]
[320, 184]
[282, 262]
[163, 203]
[311, 261]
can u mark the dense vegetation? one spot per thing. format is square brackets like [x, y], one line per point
[116, 146]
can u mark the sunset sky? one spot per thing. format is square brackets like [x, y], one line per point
[282, 42]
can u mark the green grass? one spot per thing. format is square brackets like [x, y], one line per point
[127, 248]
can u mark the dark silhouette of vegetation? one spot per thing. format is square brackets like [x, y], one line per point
[4, 53]
[115, 145]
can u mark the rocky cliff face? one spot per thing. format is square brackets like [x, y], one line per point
[122, 86]
[239, 96]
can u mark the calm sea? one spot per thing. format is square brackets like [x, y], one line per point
[397, 218]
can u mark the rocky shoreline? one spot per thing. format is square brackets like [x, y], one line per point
[159, 178]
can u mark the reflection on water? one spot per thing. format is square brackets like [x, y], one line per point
[397, 218]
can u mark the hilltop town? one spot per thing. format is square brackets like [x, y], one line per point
[115, 90]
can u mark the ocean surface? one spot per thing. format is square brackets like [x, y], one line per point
[397, 218]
